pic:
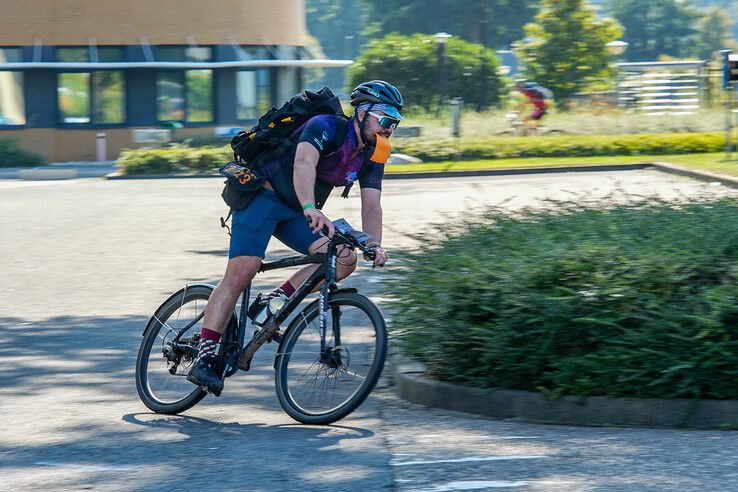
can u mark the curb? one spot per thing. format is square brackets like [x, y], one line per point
[690, 173]
[72, 173]
[47, 174]
[414, 386]
[520, 170]
[659, 166]
[118, 176]
[439, 174]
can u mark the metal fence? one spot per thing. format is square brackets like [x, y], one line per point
[659, 88]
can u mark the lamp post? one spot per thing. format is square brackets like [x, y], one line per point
[728, 87]
[441, 39]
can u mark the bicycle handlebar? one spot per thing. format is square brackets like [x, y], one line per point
[343, 233]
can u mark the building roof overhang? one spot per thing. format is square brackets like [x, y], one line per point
[177, 65]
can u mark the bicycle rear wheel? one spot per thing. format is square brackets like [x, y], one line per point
[320, 387]
[164, 360]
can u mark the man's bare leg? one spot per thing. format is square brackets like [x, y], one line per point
[239, 272]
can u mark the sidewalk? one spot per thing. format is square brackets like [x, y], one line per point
[59, 170]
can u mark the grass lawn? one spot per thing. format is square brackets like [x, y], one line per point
[707, 162]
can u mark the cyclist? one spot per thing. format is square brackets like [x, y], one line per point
[536, 96]
[328, 154]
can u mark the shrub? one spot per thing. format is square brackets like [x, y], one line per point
[634, 300]
[13, 156]
[176, 159]
[562, 146]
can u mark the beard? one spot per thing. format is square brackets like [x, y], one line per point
[369, 139]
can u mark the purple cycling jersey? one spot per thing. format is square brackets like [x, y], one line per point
[339, 163]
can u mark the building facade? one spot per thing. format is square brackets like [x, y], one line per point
[71, 69]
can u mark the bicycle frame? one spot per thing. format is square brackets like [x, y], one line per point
[326, 273]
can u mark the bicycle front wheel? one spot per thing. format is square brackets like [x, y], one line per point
[320, 386]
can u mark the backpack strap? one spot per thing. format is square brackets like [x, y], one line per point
[223, 221]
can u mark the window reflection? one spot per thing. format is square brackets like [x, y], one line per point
[109, 96]
[185, 95]
[199, 95]
[183, 54]
[170, 98]
[253, 97]
[74, 97]
[12, 102]
[72, 55]
[92, 97]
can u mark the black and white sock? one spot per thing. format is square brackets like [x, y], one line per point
[207, 349]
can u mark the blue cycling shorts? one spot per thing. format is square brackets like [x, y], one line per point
[266, 216]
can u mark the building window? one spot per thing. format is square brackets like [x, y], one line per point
[103, 54]
[108, 97]
[183, 54]
[199, 98]
[253, 97]
[12, 102]
[72, 55]
[92, 97]
[185, 96]
[170, 98]
[253, 94]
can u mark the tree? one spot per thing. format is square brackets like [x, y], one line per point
[655, 27]
[411, 63]
[492, 23]
[729, 6]
[713, 33]
[565, 50]
[336, 25]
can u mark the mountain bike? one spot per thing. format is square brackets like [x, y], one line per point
[518, 127]
[329, 357]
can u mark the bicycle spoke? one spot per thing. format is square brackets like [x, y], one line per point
[320, 383]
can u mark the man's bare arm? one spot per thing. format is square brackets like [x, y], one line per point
[306, 162]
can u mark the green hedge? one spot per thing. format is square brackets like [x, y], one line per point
[181, 158]
[176, 159]
[13, 156]
[638, 300]
[562, 146]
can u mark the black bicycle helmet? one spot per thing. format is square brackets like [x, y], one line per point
[377, 92]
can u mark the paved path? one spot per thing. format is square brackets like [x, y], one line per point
[85, 262]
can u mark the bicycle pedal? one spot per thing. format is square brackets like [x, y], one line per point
[276, 336]
[210, 390]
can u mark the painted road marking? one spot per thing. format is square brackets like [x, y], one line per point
[468, 460]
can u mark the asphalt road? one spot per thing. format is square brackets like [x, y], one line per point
[85, 262]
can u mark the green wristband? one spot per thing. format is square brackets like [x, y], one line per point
[307, 206]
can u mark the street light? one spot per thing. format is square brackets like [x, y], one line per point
[616, 48]
[441, 39]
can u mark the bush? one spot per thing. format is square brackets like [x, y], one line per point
[635, 300]
[562, 146]
[180, 158]
[173, 160]
[13, 156]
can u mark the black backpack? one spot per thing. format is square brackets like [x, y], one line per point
[269, 138]
[266, 141]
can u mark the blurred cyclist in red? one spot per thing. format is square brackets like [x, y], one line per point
[537, 96]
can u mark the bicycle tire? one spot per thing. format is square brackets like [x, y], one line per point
[162, 318]
[370, 335]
